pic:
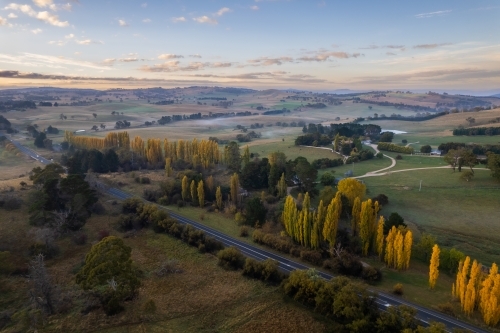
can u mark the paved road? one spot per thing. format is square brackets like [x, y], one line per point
[383, 300]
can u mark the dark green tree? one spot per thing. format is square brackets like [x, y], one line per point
[394, 220]
[255, 212]
[232, 157]
[327, 179]
[494, 165]
[306, 175]
[386, 137]
[108, 273]
[39, 140]
[426, 149]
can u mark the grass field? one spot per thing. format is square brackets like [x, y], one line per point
[202, 298]
[460, 214]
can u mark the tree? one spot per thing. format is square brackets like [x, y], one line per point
[185, 188]
[255, 212]
[282, 186]
[336, 142]
[327, 179]
[232, 157]
[39, 140]
[306, 175]
[201, 194]
[380, 237]
[95, 115]
[234, 185]
[327, 194]
[365, 228]
[423, 249]
[467, 175]
[397, 319]
[494, 165]
[42, 291]
[434, 267]
[193, 189]
[246, 156]
[108, 273]
[352, 189]
[332, 219]
[426, 149]
[218, 198]
[386, 137]
[394, 220]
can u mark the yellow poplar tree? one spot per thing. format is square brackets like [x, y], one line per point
[365, 225]
[471, 290]
[398, 250]
[352, 189]
[434, 266]
[234, 186]
[460, 283]
[218, 198]
[356, 212]
[389, 248]
[282, 186]
[168, 167]
[380, 237]
[210, 185]
[408, 241]
[185, 188]
[489, 297]
[246, 156]
[331, 223]
[193, 191]
[201, 194]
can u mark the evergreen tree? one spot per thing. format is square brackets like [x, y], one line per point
[434, 267]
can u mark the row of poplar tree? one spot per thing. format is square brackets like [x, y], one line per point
[311, 228]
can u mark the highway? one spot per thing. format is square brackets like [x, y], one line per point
[384, 300]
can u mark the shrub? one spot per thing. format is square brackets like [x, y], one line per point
[212, 245]
[312, 256]
[180, 203]
[98, 208]
[79, 238]
[346, 264]
[382, 199]
[151, 195]
[145, 180]
[137, 179]
[267, 270]
[11, 203]
[371, 274]
[399, 157]
[47, 251]
[231, 258]
[127, 222]
[163, 200]
[398, 289]
[244, 231]
[102, 234]
[447, 309]
[380, 155]
[149, 307]
[426, 149]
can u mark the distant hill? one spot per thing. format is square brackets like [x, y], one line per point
[497, 95]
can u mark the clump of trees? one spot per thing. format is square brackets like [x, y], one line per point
[394, 148]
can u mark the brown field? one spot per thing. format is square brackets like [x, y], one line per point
[203, 298]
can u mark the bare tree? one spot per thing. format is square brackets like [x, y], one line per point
[42, 291]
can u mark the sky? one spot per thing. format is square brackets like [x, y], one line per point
[301, 44]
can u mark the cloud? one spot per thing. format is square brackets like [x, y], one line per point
[178, 19]
[432, 14]
[430, 46]
[195, 56]
[109, 61]
[390, 53]
[70, 36]
[88, 42]
[374, 47]
[43, 3]
[40, 60]
[168, 56]
[144, 5]
[221, 64]
[3, 21]
[44, 16]
[276, 76]
[146, 20]
[222, 11]
[266, 61]
[122, 23]
[36, 31]
[205, 19]
[324, 56]
[12, 16]
[128, 60]
[254, 7]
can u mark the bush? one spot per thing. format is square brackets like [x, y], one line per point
[312, 256]
[371, 274]
[379, 155]
[394, 148]
[398, 289]
[267, 270]
[128, 222]
[382, 199]
[244, 231]
[346, 264]
[11, 203]
[98, 208]
[399, 157]
[47, 251]
[180, 203]
[426, 149]
[163, 200]
[102, 234]
[145, 180]
[231, 258]
[447, 309]
[79, 238]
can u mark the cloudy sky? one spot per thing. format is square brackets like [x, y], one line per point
[302, 44]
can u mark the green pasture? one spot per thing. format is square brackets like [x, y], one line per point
[291, 151]
[460, 214]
